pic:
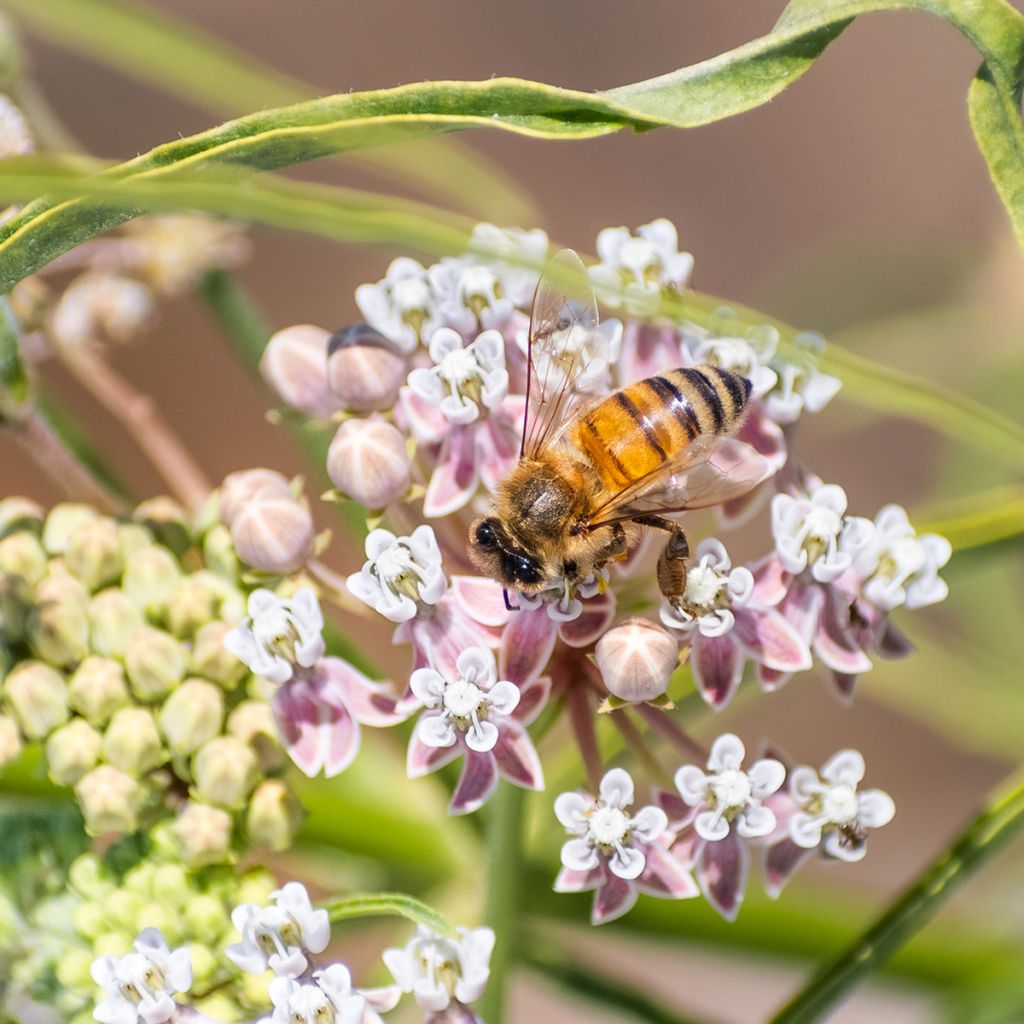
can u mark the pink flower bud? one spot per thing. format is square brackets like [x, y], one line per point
[368, 461]
[636, 659]
[364, 369]
[273, 533]
[239, 487]
[294, 364]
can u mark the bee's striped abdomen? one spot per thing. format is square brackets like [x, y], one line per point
[637, 429]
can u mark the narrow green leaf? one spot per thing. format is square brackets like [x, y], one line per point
[983, 519]
[983, 838]
[13, 381]
[160, 49]
[389, 905]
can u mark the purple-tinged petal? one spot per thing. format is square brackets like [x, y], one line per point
[771, 581]
[802, 607]
[833, 642]
[369, 702]
[578, 881]
[613, 899]
[532, 698]
[426, 422]
[770, 680]
[517, 756]
[318, 734]
[687, 848]
[678, 813]
[422, 759]
[476, 785]
[592, 623]
[844, 686]
[767, 638]
[526, 646]
[665, 877]
[480, 599]
[497, 448]
[717, 668]
[780, 861]
[739, 511]
[893, 644]
[439, 639]
[765, 436]
[455, 478]
[646, 350]
[722, 872]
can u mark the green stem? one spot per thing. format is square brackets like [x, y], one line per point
[984, 837]
[504, 875]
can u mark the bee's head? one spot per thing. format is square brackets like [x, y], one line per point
[495, 554]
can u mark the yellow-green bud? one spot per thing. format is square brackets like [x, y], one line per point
[71, 751]
[20, 514]
[192, 715]
[132, 742]
[132, 537]
[155, 663]
[89, 878]
[110, 801]
[168, 522]
[256, 988]
[22, 555]
[204, 966]
[98, 689]
[62, 522]
[114, 619]
[274, 816]
[219, 552]
[93, 553]
[150, 576]
[171, 886]
[38, 697]
[253, 723]
[203, 835]
[205, 915]
[192, 604]
[113, 944]
[10, 740]
[156, 915]
[220, 1007]
[121, 908]
[73, 967]
[140, 878]
[225, 771]
[210, 658]
[89, 920]
[58, 626]
[255, 886]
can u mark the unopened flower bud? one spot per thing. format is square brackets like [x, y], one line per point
[192, 716]
[364, 369]
[240, 487]
[73, 969]
[89, 920]
[273, 533]
[205, 967]
[58, 626]
[368, 461]
[203, 835]
[110, 800]
[132, 537]
[253, 723]
[71, 751]
[37, 695]
[205, 915]
[114, 619]
[164, 919]
[170, 885]
[121, 906]
[219, 552]
[97, 689]
[210, 658]
[294, 364]
[155, 662]
[132, 743]
[193, 604]
[20, 514]
[150, 576]
[255, 886]
[10, 740]
[22, 555]
[168, 522]
[274, 816]
[225, 771]
[113, 943]
[93, 553]
[89, 877]
[62, 523]
[256, 988]
[636, 659]
[139, 879]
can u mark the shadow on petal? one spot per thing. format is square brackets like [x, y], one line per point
[722, 871]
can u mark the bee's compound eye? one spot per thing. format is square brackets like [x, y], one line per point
[524, 570]
[485, 536]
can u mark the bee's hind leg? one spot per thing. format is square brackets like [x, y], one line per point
[672, 563]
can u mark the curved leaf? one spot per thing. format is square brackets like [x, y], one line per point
[391, 904]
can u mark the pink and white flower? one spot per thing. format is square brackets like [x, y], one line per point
[400, 573]
[801, 385]
[614, 852]
[402, 306]
[329, 997]
[139, 985]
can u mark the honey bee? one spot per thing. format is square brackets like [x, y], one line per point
[593, 474]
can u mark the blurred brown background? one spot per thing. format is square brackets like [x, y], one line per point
[855, 203]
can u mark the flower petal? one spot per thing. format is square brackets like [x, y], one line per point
[617, 788]
[517, 757]
[769, 639]
[875, 808]
[436, 730]
[476, 785]
[844, 768]
[592, 623]
[722, 872]
[481, 599]
[613, 899]
[318, 734]
[369, 702]
[717, 668]
[532, 698]
[526, 646]
[780, 861]
[578, 881]
[767, 776]
[664, 876]
[649, 823]
[627, 862]
[579, 855]
[423, 759]
[833, 642]
[727, 753]
[692, 784]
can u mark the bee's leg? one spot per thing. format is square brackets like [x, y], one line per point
[672, 567]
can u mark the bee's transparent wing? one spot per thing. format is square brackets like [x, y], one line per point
[562, 342]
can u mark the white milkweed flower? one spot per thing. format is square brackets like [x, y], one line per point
[15, 135]
[465, 702]
[816, 533]
[605, 830]
[728, 795]
[400, 573]
[402, 306]
[713, 588]
[834, 813]
[469, 294]
[515, 255]
[463, 377]
[139, 985]
[801, 385]
[749, 357]
[438, 969]
[279, 936]
[899, 567]
[279, 635]
[330, 999]
[100, 303]
[634, 268]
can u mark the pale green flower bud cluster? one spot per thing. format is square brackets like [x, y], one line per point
[112, 658]
[46, 954]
